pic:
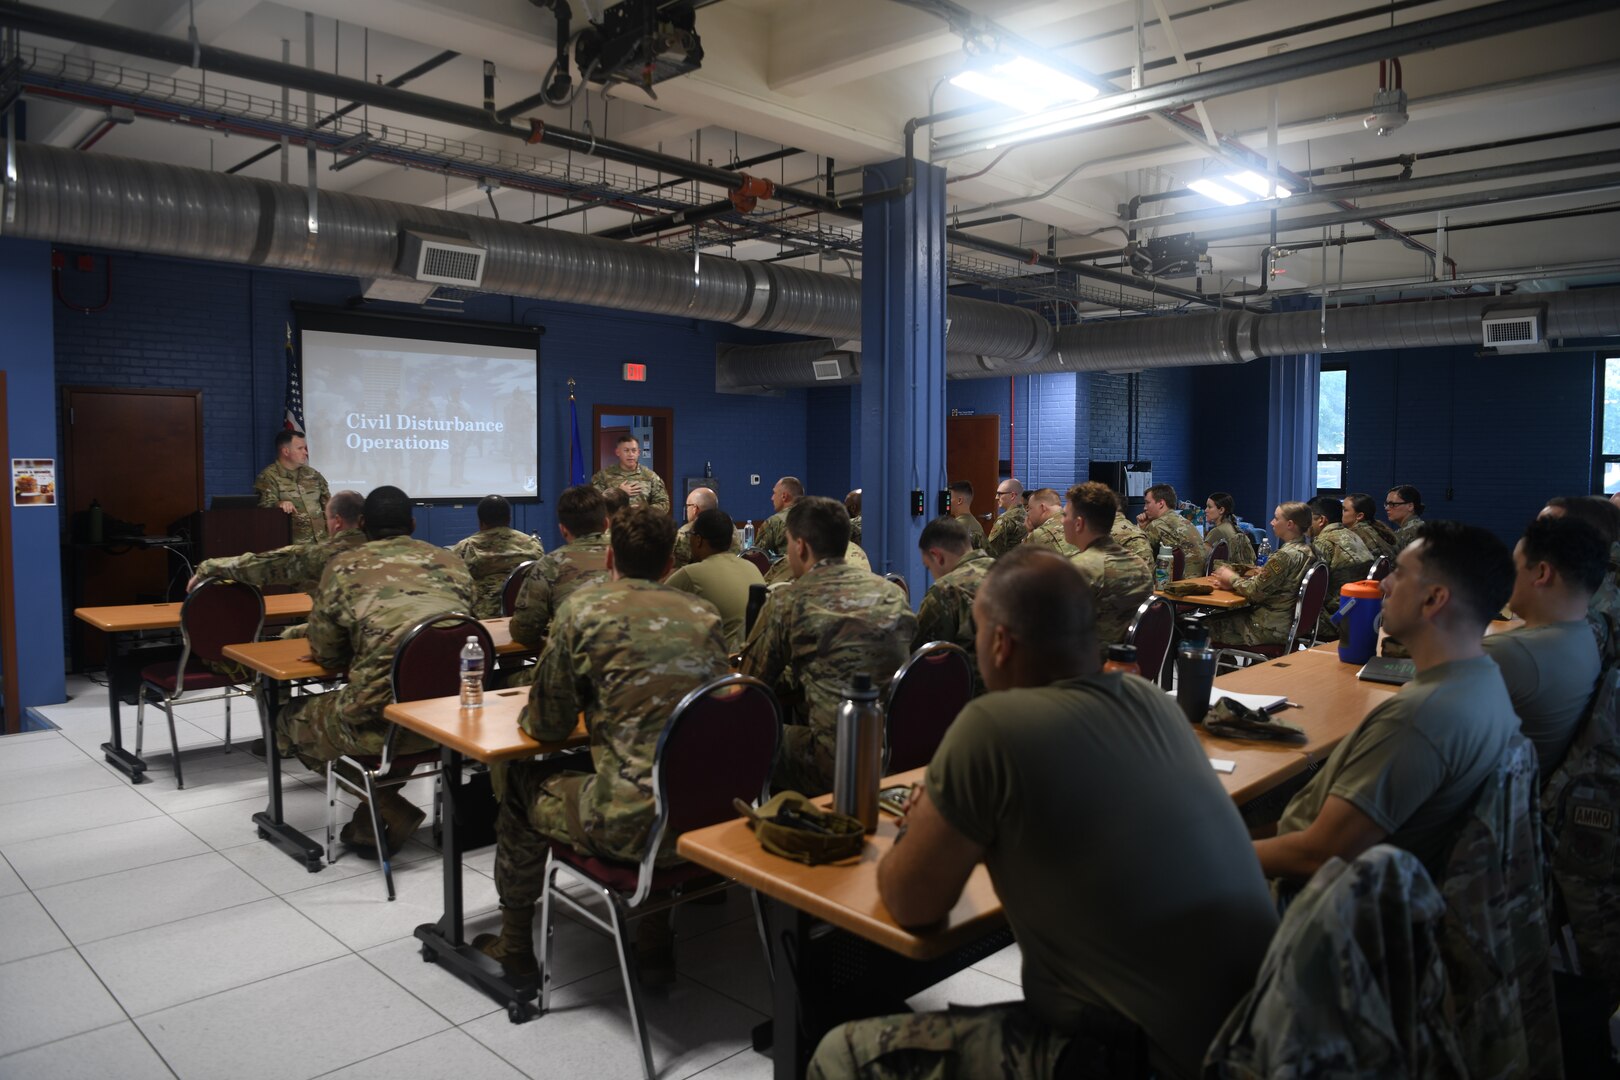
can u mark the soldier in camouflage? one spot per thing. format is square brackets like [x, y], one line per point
[1360, 517]
[1347, 558]
[1273, 590]
[962, 510]
[1120, 583]
[852, 504]
[1045, 522]
[1128, 536]
[643, 486]
[367, 600]
[1009, 529]
[781, 570]
[296, 489]
[772, 535]
[1163, 525]
[1603, 612]
[946, 612]
[812, 637]
[624, 654]
[581, 561]
[697, 501]
[298, 565]
[493, 552]
[1402, 506]
[1220, 516]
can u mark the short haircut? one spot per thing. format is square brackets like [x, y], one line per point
[1471, 562]
[1227, 504]
[387, 511]
[705, 498]
[946, 533]
[822, 523]
[1015, 484]
[493, 511]
[642, 541]
[346, 506]
[580, 510]
[963, 487]
[1297, 512]
[614, 500]
[1596, 510]
[1573, 547]
[626, 437]
[1043, 602]
[1327, 506]
[1048, 496]
[1094, 502]
[714, 526]
[1363, 504]
[285, 436]
[852, 503]
[1408, 493]
[1164, 493]
[792, 485]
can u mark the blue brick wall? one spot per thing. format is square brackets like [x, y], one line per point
[1229, 430]
[832, 416]
[1165, 419]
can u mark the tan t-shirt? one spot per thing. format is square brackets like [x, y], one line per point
[723, 581]
[1124, 868]
[1416, 763]
[1551, 672]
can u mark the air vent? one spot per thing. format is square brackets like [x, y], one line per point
[1513, 330]
[441, 259]
[827, 370]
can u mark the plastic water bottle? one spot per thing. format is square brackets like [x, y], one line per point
[1264, 552]
[472, 674]
[858, 758]
[748, 535]
[1163, 568]
[1195, 671]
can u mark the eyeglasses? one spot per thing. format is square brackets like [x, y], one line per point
[1406, 503]
[1005, 494]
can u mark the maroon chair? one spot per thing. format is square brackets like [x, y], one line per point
[1178, 564]
[1221, 552]
[1380, 568]
[427, 664]
[1313, 589]
[1151, 629]
[761, 561]
[900, 581]
[719, 744]
[217, 613]
[931, 687]
[514, 582]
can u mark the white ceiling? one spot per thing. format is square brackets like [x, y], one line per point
[839, 79]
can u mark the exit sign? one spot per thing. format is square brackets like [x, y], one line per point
[635, 373]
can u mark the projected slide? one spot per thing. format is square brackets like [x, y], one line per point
[440, 419]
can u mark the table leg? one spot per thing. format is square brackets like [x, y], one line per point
[790, 935]
[443, 941]
[119, 758]
[269, 821]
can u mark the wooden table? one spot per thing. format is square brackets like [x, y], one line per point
[1221, 599]
[120, 621]
[1333, 701]
[489, 734]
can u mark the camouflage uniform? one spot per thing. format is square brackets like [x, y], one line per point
[983, 1041]
[305, 489]
[1176, 531]
[1407, 533]
[812, 637]
[1008, 532]
[491, 555]
[1049, 534]
[1238, 547]
[368, 599]
[623, 654]
[294, 564]
[1378, 537]
[946, 612]
[654, 496]
[1272, 594]
[683, 544]
[1134, 540]
[855, 529]
[772, 535]
[1119, 582]
[1347, 560]
[854, 555]
[975, 530]
[551, 580]
[1603, 611]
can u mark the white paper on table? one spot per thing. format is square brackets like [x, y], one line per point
[1258, 702]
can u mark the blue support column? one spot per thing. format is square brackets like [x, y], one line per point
[903, 365]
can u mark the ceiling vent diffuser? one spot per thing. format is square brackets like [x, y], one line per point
[1513, 330]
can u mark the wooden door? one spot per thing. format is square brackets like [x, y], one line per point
[973, 453]
[663, 442]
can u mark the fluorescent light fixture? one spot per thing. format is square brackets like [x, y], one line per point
[1220, 193]
[1256, 183]
[1023, 84]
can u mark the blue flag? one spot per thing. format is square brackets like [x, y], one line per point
[576, 459]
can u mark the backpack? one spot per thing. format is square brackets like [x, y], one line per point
[1580, 811]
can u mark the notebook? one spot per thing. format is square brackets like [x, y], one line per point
[1388, 669]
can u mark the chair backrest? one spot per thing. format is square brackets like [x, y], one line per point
[1221, 552]
[899, 580]
[1151, 629]
[931, 687]
[1313, 589]
[427, 661]
[217, 613]
[761, 561]
[1178, 564]
[719, 744]
[1381, 567]
[514, 582]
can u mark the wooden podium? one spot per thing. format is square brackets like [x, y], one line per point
[238, 530]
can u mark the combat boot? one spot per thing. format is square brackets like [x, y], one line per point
[514, 945]
[400, 817]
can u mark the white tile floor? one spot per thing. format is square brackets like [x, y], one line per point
[148, 932]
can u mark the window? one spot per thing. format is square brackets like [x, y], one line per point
[1330, 430]
[1609, 428]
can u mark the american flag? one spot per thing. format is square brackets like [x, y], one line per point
[294, 420]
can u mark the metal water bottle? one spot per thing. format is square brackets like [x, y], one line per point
[858, 761]
[1195, 671]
